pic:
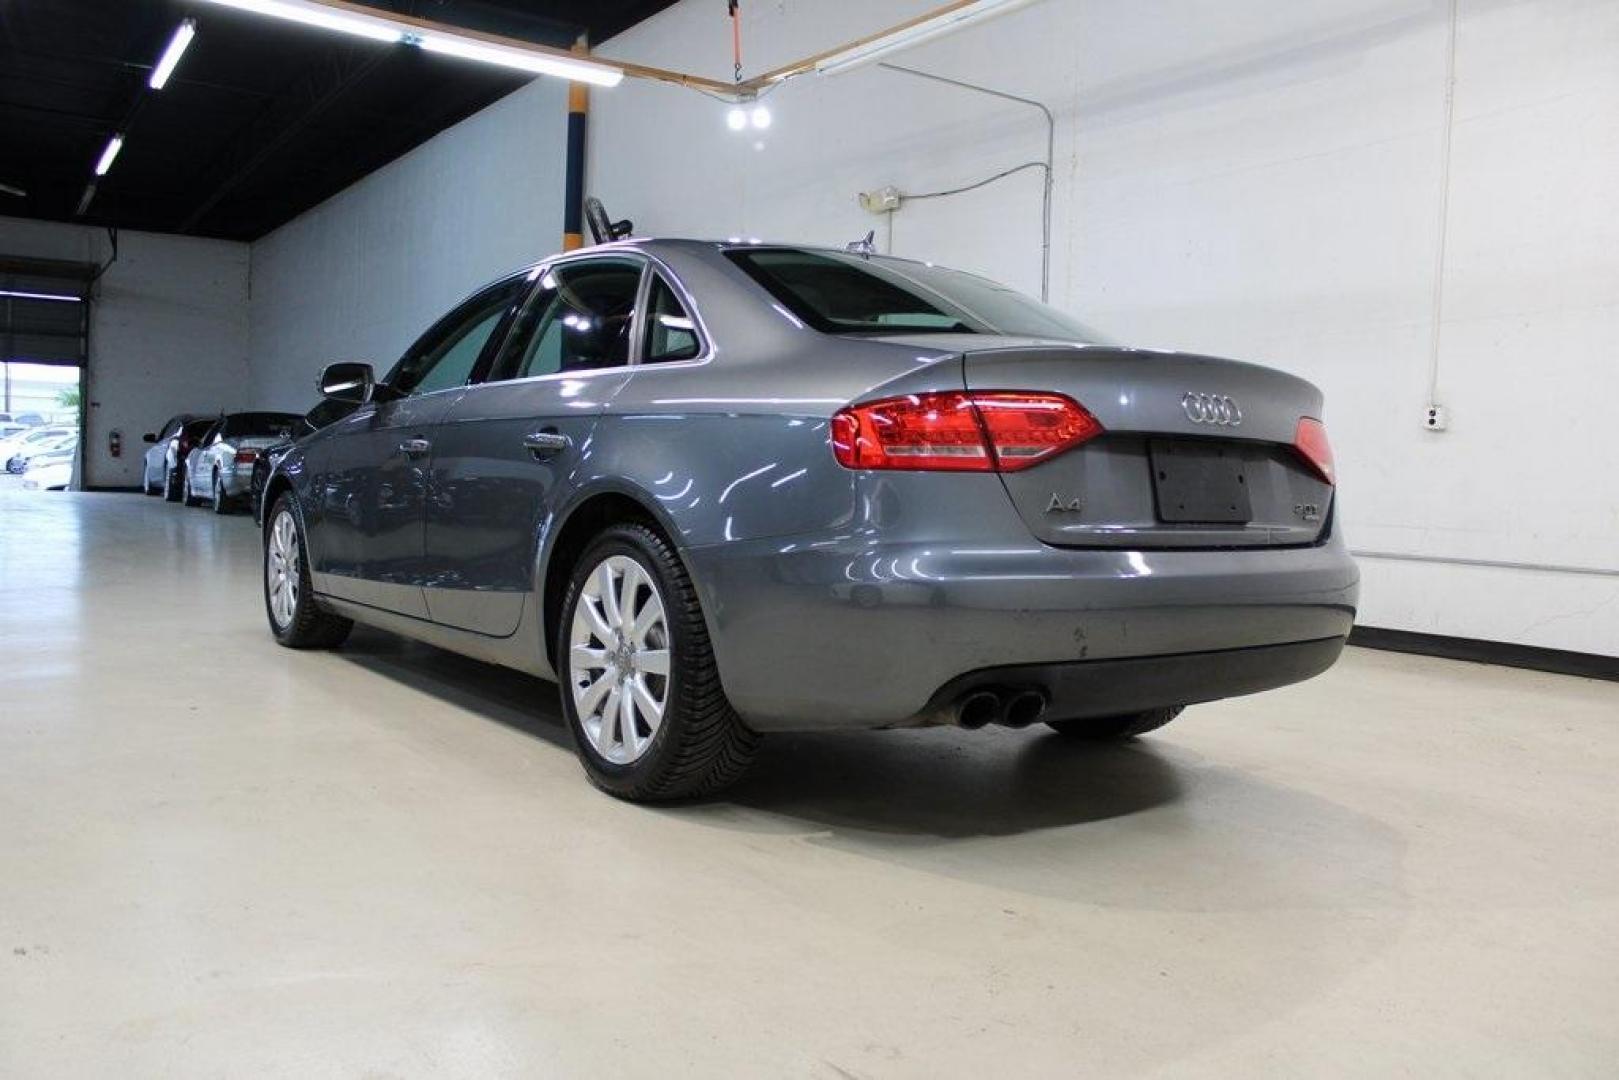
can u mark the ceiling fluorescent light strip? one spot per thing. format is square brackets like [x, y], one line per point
[346, 20]
[915, 34]
[114, 144]
[520, 59]
[171, 55]
[301, 11]
[16, 295]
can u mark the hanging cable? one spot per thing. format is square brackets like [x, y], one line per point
[735, 9]
[1002, 175]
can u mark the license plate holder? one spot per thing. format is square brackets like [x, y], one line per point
[1198, 482]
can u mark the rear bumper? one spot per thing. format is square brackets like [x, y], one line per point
[1093, 688]
[848, 634]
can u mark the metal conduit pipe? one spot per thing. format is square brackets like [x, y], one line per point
[1050, 163]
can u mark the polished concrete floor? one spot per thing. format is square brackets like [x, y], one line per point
[222, 858]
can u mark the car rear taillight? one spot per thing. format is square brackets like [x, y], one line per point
[960, 431]
[1310, 440]
[246, 457]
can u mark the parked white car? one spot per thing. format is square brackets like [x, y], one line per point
[17, 452]
[52, 470]
[219, 470]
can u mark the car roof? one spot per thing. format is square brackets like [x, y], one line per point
[652, 245]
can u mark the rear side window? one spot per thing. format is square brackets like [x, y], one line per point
[578, 319]
[671, 332]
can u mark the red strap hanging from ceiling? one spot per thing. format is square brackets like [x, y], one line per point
[735, 9]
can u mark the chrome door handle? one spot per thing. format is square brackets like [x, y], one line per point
[545, 443]
[415, 447]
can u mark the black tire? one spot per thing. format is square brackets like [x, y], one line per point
[701, 744]
[1115, 728]
[147, 487]
[186, 498]
[171, 485]
[310, 625]
[221, 501]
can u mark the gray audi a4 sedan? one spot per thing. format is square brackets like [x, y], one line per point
[717, 490]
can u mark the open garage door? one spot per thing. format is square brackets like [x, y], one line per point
[44, 353]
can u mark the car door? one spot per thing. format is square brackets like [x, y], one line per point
[375, 463]
[505, 451]
[196, 460]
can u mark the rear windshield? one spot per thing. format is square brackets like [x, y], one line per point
[262, 425]
[839, 293]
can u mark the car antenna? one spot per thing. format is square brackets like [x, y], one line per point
[867, 246]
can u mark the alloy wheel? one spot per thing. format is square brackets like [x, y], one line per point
[618, 659]
[281, 569]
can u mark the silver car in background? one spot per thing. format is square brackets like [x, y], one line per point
[16, 452]
[219, 469]
[719, 490]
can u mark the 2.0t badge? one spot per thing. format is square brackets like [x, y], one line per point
[1211, 409]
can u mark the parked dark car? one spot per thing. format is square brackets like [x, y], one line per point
[327, 412]
[717, 490]
[166, 453]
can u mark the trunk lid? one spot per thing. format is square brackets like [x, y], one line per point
[1197, 451]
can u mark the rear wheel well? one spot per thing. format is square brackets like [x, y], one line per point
[592, 516]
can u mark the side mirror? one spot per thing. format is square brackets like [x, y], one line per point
[347, 381]
[149, 437]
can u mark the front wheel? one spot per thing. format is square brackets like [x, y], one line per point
[171, 485]
[296, 620]
[640, 687]
[1114, 728]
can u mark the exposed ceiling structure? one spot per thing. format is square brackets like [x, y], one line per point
[262, 119]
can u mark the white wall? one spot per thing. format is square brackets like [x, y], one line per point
[168, 332]
[1253, 179]
[362, 274]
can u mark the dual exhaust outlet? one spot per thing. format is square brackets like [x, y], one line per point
[1000, 705]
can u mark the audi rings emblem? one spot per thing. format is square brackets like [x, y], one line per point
[1211, 409]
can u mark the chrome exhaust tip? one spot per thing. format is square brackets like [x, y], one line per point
[978, 709]
[1024, 708]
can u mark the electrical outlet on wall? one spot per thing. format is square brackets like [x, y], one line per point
[885, 200]
[1437, 418]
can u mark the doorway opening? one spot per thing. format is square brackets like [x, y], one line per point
[41, 418]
